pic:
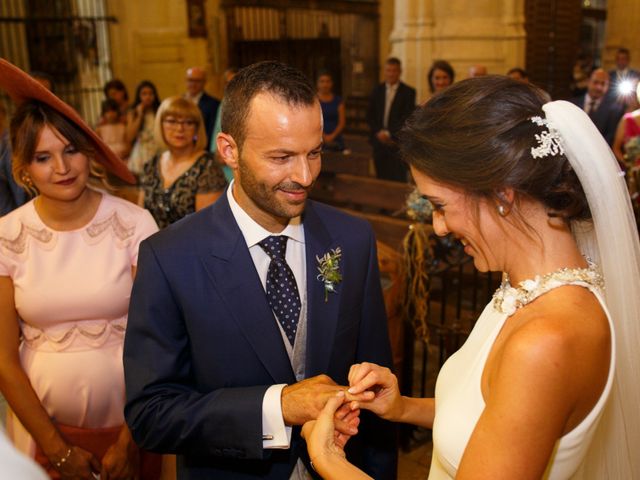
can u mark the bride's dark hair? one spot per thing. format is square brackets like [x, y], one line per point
[477, 135]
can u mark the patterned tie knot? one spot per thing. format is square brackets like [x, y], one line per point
[275, 246]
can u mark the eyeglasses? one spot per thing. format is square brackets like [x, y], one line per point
[175, 123]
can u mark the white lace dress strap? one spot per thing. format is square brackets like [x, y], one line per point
[508, 299]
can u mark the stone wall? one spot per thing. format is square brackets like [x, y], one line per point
[488, 32]
[150, 41]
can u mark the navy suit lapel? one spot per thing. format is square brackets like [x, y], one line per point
[233, 274]
[322, 316]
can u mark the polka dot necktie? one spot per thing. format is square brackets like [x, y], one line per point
[282, 290]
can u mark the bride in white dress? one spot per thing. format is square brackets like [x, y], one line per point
[546, 386]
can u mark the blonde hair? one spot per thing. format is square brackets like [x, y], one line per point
[181, 108]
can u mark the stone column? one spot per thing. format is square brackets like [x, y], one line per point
[489, 32]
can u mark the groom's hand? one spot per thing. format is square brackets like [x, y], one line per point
[303, 401]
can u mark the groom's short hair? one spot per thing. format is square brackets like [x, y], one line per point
[280, 80]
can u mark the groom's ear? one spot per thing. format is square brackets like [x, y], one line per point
[228, 150]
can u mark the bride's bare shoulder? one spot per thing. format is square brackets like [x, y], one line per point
[562, 332]
[570, 314]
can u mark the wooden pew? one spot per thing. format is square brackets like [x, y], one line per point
[362, 193]
[356, 113]
[388, 230]
[355, 163]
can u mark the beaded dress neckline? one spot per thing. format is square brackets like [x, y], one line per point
[507, 299]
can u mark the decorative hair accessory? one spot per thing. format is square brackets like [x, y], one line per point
[329, 268]
[549, 142]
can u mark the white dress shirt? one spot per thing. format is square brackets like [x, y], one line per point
[275, 433]
[195, 99]
[390, 94]
[591, 104]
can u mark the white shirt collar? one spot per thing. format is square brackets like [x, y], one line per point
[254, 232]
[195, 99]
[588, 99]
[393, 87]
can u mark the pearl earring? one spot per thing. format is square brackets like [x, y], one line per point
[501, 211]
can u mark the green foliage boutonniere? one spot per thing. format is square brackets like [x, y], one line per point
[329, 268]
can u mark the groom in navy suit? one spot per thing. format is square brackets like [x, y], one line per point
[235, 338]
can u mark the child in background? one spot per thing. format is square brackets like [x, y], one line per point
[112, 131]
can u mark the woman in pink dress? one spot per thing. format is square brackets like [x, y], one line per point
[626, 144]
[67, 261]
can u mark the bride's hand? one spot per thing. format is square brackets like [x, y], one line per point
[326, 445]
[323, 440]
[378, 389]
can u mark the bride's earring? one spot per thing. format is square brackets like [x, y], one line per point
[501, 210]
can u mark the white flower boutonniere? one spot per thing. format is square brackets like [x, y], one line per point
[329, 268]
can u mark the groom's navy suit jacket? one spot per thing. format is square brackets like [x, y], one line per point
[202, 345]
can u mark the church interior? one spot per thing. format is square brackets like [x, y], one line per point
[80, 45]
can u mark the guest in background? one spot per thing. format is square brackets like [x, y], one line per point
[390, 103]
[520, 75]
[581, 72]
[229, 73]
[12, 195]
[333, 113]
[626, 144]
[140, 126]
[477, 71]
[116, 90]
[440, 76]
[603, 110]
[184, 178]
[208, 105]
[623, 72]
[67, 262]
[112, 131]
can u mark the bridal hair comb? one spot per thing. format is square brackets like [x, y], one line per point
[549, 141]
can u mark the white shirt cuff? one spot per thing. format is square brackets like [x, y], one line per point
[275, 434]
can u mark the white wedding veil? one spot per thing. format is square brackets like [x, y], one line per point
[612, 243]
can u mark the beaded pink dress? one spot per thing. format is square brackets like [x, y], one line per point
[72, 292]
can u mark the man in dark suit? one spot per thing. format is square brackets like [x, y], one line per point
[238, 324]
[390, 104]
[604, 110]
[196, 80]
[622, 71]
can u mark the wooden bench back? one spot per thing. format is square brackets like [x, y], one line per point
[362, 193]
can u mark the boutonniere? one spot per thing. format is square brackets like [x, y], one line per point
[329, 268]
